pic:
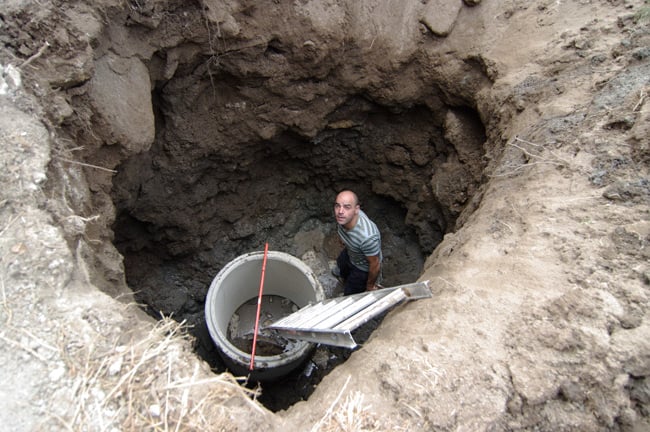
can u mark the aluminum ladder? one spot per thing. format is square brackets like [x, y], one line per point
[331, 321]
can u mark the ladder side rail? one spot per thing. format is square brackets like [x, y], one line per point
[341, 338]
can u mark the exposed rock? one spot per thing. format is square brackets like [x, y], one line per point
[440, 16]
[121, 95]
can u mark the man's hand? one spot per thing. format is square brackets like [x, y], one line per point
[374, 267]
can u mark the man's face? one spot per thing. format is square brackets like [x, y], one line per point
[345, 208]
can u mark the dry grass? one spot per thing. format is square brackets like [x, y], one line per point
[531, 158]
[148, 385]
[351, 415]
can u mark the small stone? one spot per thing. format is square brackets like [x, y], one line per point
[116, 366]
[57, 374]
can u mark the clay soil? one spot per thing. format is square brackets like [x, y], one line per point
[540, 278]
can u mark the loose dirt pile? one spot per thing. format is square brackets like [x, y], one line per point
[512, 137]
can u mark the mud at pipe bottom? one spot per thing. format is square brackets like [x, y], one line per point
[231, 309]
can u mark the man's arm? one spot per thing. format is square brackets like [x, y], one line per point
[374, 267]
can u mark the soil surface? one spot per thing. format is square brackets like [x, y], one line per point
[503, 148]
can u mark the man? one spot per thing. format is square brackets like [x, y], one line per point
[359, 264]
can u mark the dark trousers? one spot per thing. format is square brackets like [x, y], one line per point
[354, 279]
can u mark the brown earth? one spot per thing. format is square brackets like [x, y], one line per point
[503, 147]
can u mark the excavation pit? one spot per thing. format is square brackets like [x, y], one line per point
[217, 142]
[207, 128]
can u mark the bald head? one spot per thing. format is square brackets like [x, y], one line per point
[348, 195]
[346, 209]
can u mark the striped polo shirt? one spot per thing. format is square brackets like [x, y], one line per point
[361, 241]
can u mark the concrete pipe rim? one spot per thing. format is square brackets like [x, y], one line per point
[242, 358]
